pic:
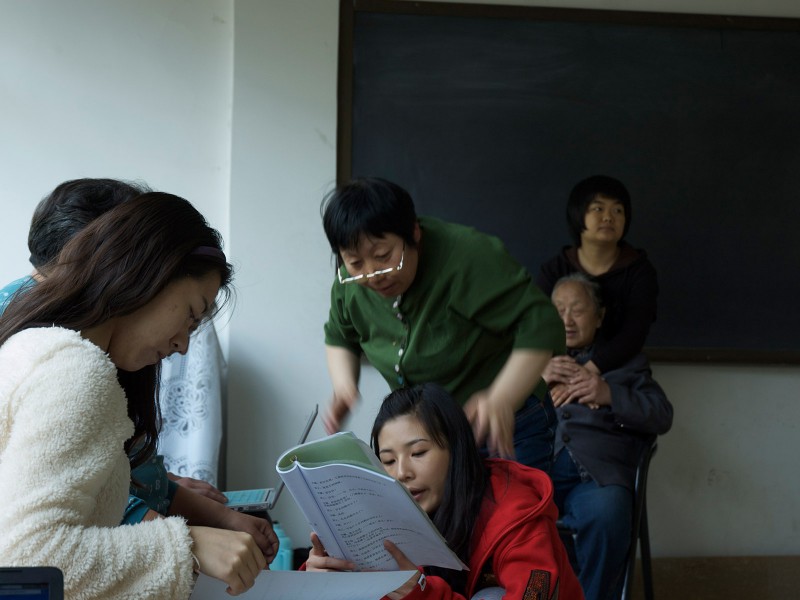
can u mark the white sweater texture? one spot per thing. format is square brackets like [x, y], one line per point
[64, 475]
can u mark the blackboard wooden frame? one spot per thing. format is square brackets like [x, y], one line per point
[350, 8]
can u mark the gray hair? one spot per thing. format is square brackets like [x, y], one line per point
[590, 286]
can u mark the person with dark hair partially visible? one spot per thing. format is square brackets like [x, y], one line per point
[154, 492]
[599, 215]
[430, 301]
[79, 375]
[60, 215]
[57, 218]
[599, 441]
[498, 516]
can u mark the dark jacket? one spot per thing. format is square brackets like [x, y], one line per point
[629, 289]
[607, 442]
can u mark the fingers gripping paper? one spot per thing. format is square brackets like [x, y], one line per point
[353, 505]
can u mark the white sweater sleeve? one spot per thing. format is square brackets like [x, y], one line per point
[64, 475]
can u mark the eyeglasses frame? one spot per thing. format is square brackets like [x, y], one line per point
[353, 278]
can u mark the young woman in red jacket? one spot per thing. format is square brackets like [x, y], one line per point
[497, 515]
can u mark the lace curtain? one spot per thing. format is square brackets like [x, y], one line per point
[192, 408]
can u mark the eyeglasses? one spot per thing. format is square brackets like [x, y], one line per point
[374, 273]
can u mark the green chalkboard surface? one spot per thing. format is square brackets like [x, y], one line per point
[489, 115]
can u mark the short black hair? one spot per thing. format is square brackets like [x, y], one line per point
[585, 192]
[69, 208]
[367, 205]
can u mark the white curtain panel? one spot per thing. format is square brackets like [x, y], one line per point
[192, 408]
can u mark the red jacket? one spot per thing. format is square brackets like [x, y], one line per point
[516, 540]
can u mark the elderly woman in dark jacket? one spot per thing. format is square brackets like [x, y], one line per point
[598, 442]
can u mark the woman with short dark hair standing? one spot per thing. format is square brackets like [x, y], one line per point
[430, 301]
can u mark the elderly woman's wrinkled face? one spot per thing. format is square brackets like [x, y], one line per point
[578, 312]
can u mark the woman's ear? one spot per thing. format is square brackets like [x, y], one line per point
[417, 233]
[600, 314]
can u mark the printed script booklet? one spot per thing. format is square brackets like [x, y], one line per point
[353, 505]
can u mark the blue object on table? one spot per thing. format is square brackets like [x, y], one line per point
[283, 560]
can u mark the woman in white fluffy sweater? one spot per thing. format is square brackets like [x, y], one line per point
[79, 357]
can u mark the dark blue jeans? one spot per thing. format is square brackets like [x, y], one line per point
[534, 432]
[601, 517]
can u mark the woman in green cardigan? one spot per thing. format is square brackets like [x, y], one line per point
[430, 301]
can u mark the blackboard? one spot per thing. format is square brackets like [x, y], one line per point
[489, 115]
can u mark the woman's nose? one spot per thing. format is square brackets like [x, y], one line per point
[180, 343]
[376, 277]
[404, 473]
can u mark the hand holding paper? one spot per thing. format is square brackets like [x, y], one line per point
[353, 505]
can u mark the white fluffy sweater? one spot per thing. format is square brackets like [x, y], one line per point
[64, 475]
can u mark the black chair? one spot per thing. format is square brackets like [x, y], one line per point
[640, 535]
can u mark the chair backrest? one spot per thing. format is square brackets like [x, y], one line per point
[639, 529]
[640, 485]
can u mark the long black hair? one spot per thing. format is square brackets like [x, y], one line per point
[465, 485]
[115, 265]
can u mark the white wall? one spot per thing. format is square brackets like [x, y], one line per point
[720, 483]
[146, 90]
[284, 136]
[109, 88]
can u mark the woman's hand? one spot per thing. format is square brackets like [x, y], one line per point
[318, 559]
[231, 556]
[493, 422]
[583, 387]
[559, 394]
[590, 389]
[491, 411]
[560, 369]
[198, 486]
[404, 565]
[260, 529]
[557, 374]
[344, 367]
[202, 511]
[340, 407]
